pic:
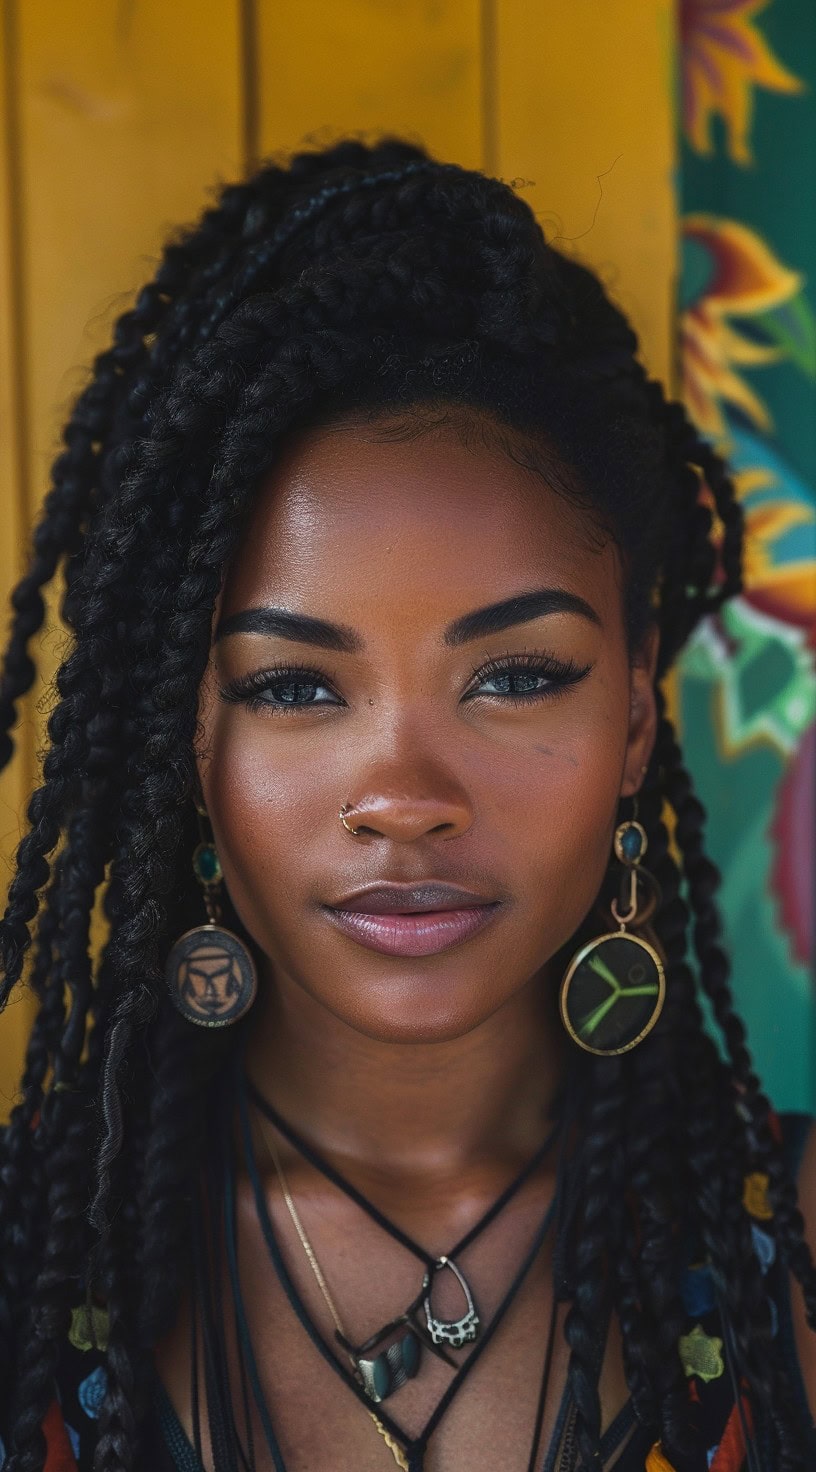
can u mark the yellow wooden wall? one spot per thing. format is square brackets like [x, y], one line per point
[118, 116]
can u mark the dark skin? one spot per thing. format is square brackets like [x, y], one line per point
[428, 1081]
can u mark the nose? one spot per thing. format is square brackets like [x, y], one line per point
[404, 816]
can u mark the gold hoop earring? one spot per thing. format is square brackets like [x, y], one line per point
[210, 974]
[614, 988]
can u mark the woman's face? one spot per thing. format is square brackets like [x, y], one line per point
[486, 753]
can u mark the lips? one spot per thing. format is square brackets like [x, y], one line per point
[406, 899]
[412, 920]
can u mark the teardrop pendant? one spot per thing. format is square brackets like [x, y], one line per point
[455, 1332]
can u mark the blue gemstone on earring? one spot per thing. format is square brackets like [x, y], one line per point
[206, 864]
[631, 843]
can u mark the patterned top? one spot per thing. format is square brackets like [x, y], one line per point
[70, 1425]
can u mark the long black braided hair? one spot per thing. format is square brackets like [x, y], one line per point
[354, 279]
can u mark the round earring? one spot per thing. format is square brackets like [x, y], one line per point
[614, 988]
[210, 974]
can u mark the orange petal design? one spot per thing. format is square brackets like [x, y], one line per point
[724, 56]
[786, 593]
[747, 278]
[742, 350]
[787, 590]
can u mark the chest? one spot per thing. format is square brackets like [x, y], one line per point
[489, 1398]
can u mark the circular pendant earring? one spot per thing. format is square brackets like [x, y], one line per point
[210, 974]
[614, 988]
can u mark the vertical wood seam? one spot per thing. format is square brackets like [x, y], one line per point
[489, 68]
[249, 90]
[674, 84]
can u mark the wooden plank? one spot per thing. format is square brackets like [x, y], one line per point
[586, 112]
[129, 114]
[126, 115]
[15, 779]
[368, 66]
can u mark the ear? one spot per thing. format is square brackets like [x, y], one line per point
[642, 712]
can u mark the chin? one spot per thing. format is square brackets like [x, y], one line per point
[416, 1014]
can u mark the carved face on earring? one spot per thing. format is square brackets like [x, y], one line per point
[209, 979]
[210, 974]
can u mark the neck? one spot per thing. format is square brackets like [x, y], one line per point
[429, 1110]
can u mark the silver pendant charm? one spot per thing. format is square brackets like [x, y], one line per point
[455, 1332]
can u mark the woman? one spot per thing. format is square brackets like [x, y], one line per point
[387, 1131]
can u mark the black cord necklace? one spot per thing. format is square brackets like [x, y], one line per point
[414, 1446]
[231, 1451]
[385, 1371]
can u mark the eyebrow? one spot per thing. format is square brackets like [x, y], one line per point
[282, 623]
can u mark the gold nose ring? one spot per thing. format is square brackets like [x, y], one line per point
[346, 809]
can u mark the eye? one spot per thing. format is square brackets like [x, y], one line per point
[283, 689]
[518, 679]
[523, 679]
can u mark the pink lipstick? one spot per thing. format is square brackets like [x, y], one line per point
[412, 920]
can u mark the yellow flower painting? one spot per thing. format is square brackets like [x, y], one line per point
[746, 326]
[725, 57]
[784, 587]
[741, 278]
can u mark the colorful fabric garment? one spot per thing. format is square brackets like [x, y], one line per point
[70, 1425]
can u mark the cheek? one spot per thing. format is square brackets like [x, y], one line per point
[558, 811]
[267, 814]
[544, 796]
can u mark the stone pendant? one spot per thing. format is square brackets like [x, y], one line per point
[454, 1332]
[387, 1371]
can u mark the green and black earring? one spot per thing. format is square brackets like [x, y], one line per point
[614, 987]
[210, 973]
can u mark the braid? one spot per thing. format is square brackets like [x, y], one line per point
[703, 881]
[48, 1315]
[656, 1175]
[358, 279]
[126, 379]
[595, 1247]
[118, 373]
[748, 1305]
[174, 1137]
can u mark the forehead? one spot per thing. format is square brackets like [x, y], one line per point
[351, 511]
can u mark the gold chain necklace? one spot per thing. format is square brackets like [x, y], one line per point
[394, 1447]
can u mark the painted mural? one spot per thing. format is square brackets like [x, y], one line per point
[747, 349]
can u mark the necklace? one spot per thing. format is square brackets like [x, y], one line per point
[414, 1447]
[215, 1241]
[390, 1441]
[384, 1366]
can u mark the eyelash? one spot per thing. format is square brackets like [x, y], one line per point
[560, 675]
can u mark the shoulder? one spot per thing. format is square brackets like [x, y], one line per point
[800, 1136]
